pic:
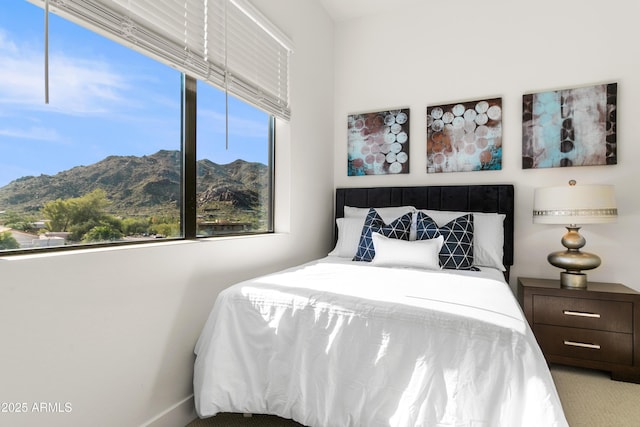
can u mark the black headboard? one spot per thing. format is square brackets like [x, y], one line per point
[471, 198]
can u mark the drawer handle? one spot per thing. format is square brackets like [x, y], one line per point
[582, 344]
[580, 314]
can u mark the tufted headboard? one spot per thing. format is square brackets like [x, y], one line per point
[497, 198]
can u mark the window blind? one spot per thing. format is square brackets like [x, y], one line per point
[227, 43]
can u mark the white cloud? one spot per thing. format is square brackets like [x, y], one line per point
[238, 126]
[6, 44]
[35, 133]
[76, 86]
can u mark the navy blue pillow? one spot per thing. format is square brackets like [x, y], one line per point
[398, 229]
[457, 250]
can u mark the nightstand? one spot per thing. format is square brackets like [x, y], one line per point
[597, 327]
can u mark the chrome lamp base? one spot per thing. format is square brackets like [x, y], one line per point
[573, 280]
[572, 260]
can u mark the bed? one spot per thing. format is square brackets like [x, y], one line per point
[386, 336]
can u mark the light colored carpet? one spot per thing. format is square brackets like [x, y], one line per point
[589, 398]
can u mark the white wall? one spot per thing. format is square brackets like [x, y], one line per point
[112, 332]
[441, 52]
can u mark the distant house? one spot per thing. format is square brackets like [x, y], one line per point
[30, 240]
[40, 225]
[45, 241]
[216, 228]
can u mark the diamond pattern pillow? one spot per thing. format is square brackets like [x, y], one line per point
[457, 250]
[397, 229]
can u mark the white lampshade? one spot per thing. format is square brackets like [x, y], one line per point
[574, 204]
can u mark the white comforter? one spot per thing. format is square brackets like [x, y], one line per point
[349, 344]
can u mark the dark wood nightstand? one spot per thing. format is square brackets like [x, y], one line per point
[597, 327]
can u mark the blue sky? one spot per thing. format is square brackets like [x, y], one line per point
[105, 100]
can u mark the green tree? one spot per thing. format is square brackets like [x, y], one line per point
[18, 221]
[165, 225]
[10, 217]
[58, 212]
[7, 241]
[90, 207]
[63, 214]
[165, 229]
[133, 226]
[102, 233]
[80, 215]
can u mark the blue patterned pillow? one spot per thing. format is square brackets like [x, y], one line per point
[397, 229]
[457, 250]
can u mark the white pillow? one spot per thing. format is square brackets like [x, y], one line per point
[488, 235]
[349, 231]
[388, 214]
[350, 227]
[406, 253]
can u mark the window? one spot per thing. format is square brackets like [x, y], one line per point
[110, 158]
[234, 179]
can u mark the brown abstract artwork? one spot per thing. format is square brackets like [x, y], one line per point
[570, 127]
[378, 143]
[465, 136]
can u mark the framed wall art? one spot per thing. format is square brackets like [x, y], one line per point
[378, 143]
[464, 136]
[570, 127]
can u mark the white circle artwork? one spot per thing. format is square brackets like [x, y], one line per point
[375, 140]
[395, 167]
[389, 120]
[470, 115]
[482, 119]
[494, 112]
[458, 122]
[464, 136]
[482, 106]
[458, 110]
[391, 157]
[390, 138]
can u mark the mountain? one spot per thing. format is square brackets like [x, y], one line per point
[141, 185]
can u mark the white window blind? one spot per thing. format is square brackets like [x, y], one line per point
[227, 43]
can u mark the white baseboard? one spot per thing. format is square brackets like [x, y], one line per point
[180, 414]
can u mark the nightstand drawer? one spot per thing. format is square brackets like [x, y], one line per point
[612, 347]
[603, 315]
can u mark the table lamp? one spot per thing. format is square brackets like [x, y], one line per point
[571, 205]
